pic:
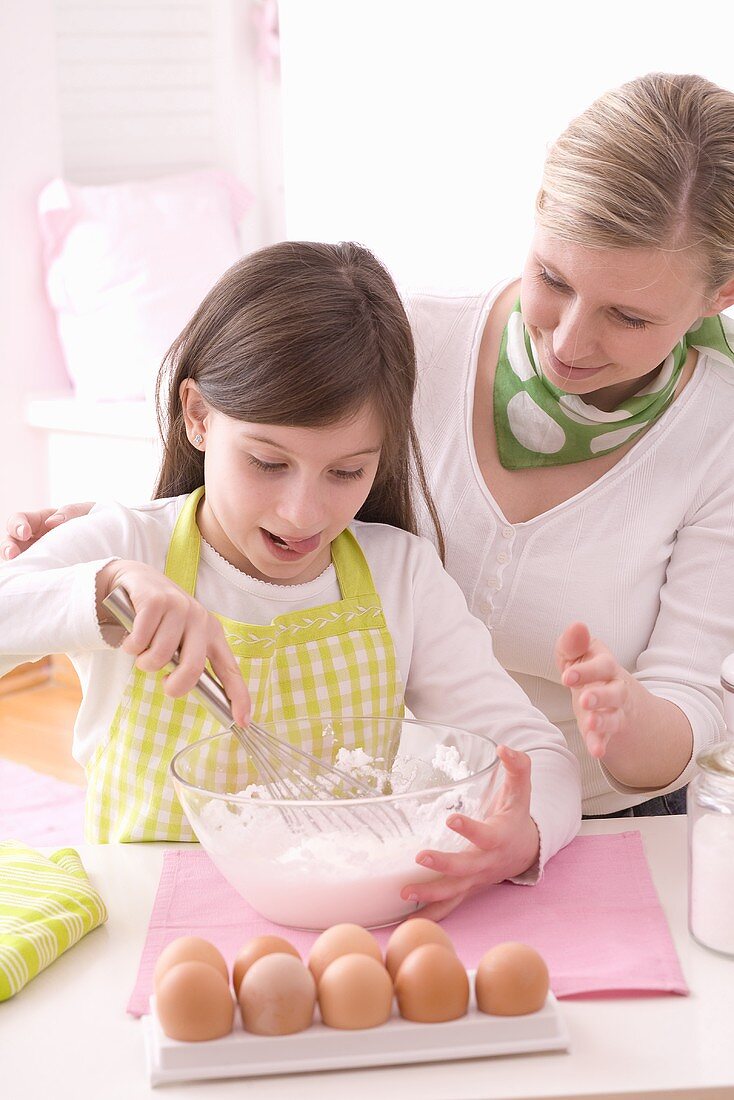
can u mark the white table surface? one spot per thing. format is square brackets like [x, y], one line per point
[67, 1036]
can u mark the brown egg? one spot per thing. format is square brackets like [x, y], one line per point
[277, 996]
[355, 991]
[409, 935]
[512, 980]
[255, 949]
[341, 939]
[188, 949]
[194, 1003]
[432, 985]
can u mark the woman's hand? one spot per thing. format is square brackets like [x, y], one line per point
[602, 694]
[25, 528]
[504, 845]
[168, 619]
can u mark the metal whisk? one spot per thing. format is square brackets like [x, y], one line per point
[288, 773]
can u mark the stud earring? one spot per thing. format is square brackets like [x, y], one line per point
[198, 439]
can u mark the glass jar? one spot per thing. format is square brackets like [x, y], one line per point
[711, 849]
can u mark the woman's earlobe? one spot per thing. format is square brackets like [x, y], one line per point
[723, 298]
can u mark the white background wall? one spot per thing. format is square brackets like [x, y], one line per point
[30, 154]
[419, 127]
[416, 126]
[103, 91]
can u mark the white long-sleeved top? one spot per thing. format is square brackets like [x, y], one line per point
[47, 605]
[644, 556]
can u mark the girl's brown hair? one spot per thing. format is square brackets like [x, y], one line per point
[301, 334]
[648, 165]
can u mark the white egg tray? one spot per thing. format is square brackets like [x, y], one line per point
[241, 1054]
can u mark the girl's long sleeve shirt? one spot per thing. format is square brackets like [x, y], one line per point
[444, 654]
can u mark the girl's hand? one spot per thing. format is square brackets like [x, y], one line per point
[600, 688]
[25, 528]
[504, 845]
[166, 620]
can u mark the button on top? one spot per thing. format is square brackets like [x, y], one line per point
[507, 532]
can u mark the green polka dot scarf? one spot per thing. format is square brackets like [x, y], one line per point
[539, 425]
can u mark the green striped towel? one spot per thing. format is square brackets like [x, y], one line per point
[46, 905]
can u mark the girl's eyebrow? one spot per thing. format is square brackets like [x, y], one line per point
[643, 314]
[280, 447]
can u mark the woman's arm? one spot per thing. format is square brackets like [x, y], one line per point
[649, 723]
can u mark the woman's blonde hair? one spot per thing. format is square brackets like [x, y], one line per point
[649, 164]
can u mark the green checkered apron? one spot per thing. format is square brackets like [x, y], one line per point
[337, 659]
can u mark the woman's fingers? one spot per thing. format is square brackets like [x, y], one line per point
[26, 525]
[597, 666]
[66, 512]
[599, 729]
[596, 744]
[600, 688]
[572, 644]
[604, 695]
[25, 528]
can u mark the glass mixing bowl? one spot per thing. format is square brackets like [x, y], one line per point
[311, 864]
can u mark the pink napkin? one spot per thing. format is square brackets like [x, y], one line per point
[594, 917]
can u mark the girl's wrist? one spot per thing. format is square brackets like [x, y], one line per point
[105, 581]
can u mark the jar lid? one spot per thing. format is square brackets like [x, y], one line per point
[719, 760]
[727, 673]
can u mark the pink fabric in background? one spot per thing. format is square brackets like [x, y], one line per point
[595, 918]
[38, 809]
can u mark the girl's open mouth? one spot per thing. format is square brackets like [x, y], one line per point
[290, 549]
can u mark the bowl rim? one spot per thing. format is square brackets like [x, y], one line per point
[339, 802]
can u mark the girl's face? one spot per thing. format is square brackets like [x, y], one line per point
[602, 319]
[277, 497]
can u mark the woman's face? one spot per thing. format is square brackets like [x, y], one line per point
[602, 319]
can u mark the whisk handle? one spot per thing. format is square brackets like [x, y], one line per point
[207, 689]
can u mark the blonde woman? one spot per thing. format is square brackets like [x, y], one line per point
[577, 425]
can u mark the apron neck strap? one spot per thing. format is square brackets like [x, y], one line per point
[352, 571]
[182, 560]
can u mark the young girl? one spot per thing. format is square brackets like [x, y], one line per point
[285, 490]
